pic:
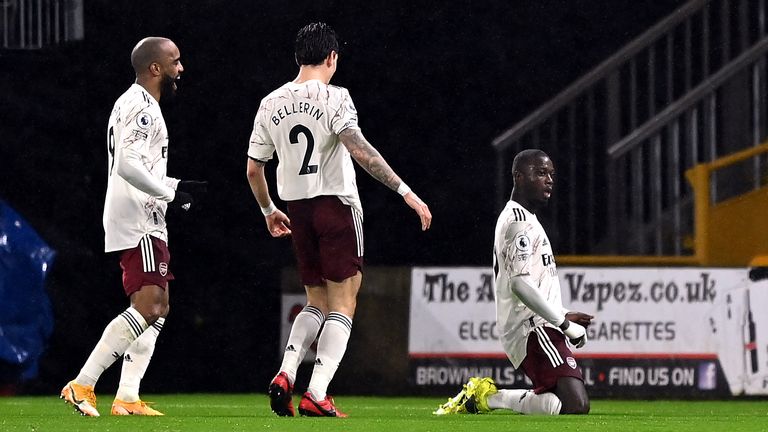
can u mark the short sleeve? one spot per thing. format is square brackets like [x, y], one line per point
[517, 248]
[346, 116]
[260, 145]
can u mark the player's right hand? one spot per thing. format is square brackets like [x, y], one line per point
[421, 209]
[278, 224]
[575, 333]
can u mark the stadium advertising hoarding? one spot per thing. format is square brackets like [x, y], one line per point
[657, 332]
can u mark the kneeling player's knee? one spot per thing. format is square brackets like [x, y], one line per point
[582, 407]
[573, 395]
[577, 405]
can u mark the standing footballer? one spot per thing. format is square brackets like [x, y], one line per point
[533, 326]
[138, 193]
[313, 128]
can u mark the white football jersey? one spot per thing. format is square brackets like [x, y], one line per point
[302, 122]
[138, 190]
[521, 248]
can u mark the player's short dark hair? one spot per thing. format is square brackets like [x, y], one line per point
[526, 157]
[149, 50]
[314, 42]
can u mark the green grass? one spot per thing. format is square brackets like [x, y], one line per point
[201, 412]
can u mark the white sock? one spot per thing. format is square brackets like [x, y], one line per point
[525, 402]
[303, 333]
[135, 362]
[117, 336]
[330, 350]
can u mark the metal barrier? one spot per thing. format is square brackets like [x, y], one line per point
[34, 24]
[700, 177]
[713, 119]
[621, 194]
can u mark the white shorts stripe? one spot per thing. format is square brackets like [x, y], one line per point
[147, 254]
[143, 247]
[358, 219]
[152, 263]
[548, 347]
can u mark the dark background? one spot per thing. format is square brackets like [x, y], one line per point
[433, 82]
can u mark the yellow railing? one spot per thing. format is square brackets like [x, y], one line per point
[699, 178]
[627, 260]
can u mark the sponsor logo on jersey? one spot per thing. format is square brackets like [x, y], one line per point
[163, 268]
[144, 120]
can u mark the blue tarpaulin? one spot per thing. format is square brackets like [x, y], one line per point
[26, 319]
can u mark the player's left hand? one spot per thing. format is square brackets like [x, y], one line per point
[195, 190]
[278, 224]
[576, 333]
[580, 318]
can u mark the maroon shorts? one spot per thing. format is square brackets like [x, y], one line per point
[327, 239]
[548, 358]
[146, 264]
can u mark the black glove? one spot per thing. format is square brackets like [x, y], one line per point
[189, 192]
[182, 200]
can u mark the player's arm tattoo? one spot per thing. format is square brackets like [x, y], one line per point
[369, 158]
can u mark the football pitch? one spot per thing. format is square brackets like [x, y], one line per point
[220, 412]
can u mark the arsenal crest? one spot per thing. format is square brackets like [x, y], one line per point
[571, 362]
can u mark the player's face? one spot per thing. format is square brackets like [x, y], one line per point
[539, 180]
[171, 70]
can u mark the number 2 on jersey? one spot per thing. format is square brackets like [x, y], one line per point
[306, 168]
